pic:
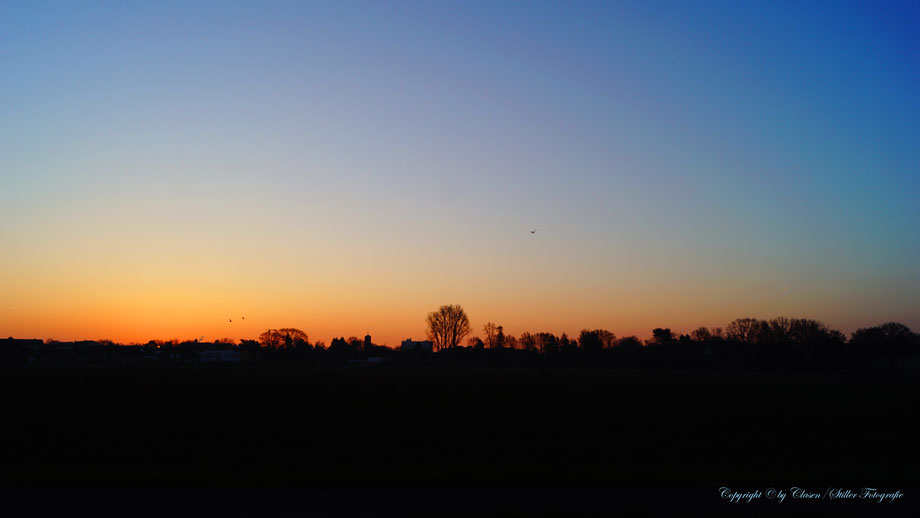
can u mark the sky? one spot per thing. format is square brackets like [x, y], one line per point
[347, 167]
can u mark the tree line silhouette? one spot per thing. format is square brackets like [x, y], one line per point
[745, 343]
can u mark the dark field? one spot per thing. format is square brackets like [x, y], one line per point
[367, 427]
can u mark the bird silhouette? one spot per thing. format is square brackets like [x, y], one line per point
[244, 318]
[231, 319]
[534, 231]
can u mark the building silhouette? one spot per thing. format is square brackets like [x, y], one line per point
[413, 345]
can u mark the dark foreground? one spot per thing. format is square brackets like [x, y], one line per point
[378, 427]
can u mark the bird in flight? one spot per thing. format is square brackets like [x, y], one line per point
[534, 231]
[230, 319]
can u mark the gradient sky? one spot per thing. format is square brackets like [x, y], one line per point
[346, 167]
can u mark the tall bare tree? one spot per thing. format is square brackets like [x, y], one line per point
[447, 326]
[491, 332]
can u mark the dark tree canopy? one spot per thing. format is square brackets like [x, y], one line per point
[889, 338]
[629, 342]
[662, 336]
[285, 337]
[596, 340]
[546, 343]
[701, 334]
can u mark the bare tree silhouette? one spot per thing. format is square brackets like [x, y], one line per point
[490, 330]
[447, 326]
[744, 330]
